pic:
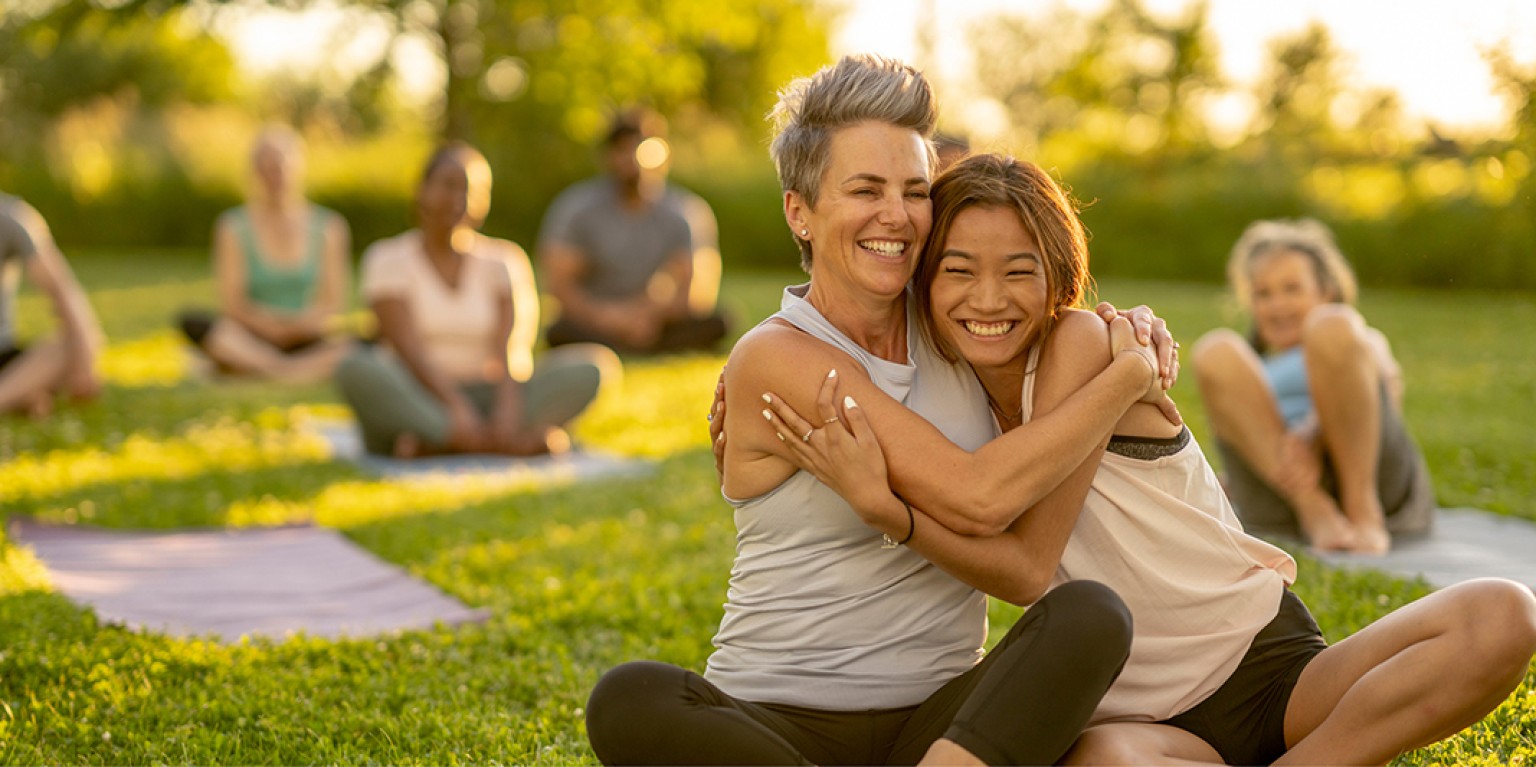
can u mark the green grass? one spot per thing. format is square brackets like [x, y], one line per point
[576, 579]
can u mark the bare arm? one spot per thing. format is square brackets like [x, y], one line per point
[978, 493]
[335, 278]
[634, 320]
[79, 331]
[524, 332]
[1018, 564]
[676, 275]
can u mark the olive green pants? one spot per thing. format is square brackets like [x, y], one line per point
[389, 401]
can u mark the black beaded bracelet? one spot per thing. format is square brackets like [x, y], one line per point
[887, 542]
[911, 522]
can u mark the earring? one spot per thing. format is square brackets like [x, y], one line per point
[804, 233]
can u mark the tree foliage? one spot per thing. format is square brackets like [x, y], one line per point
[1122, 78]
[72, 52]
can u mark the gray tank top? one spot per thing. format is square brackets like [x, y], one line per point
[818, 614]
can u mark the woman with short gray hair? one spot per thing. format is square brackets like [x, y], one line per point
[842, 643]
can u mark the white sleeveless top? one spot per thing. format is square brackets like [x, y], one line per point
[1162, 534]
[817, 614]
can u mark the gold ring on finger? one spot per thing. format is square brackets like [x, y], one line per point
[808, 433]
[831, 420]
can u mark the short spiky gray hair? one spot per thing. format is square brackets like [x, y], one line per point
[856, 89]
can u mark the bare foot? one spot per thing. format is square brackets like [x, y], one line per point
[407, 446]
[40, 406]
[1322, 522]
[1372, 541]
[557, 441]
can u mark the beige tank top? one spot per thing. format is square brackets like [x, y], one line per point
[1163, 535]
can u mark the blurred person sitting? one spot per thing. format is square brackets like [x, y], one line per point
[950, 148]
[1307, 410]
[458, 314]
[62, 364]
[281, 269]
[631, 259]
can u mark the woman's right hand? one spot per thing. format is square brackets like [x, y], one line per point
[840, 449]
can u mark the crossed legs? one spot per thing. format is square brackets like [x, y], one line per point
[231, 345]
[1421, 674]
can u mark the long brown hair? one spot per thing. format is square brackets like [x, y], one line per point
[1047, 211]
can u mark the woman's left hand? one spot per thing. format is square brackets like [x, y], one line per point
[839, 449]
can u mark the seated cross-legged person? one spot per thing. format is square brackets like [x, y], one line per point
[631, 259]
[63, 364]
[457, 311]
[281, 268]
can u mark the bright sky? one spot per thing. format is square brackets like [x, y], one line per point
[1426, 50]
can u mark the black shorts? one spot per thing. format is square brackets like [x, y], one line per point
[9, 355]
[1244, 720]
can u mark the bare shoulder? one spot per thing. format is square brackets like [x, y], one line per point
[1080, 339]
[776, 350]
[336, 224]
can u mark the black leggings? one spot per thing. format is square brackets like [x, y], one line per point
[1025, 703]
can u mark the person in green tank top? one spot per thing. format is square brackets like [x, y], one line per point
[281, 269]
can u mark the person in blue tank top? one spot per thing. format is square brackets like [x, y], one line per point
[281, 268]
[1307, 410]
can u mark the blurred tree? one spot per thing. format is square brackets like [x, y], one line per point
[1517, 83]
[1123, 79]
[1296, 93]
[59, 55]
[571, 61]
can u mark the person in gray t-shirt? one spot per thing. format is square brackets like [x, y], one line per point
[631, 259]
[62, 364]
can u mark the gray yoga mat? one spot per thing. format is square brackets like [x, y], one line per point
[1464, 544]
[271, 582]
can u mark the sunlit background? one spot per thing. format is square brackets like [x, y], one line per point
[1408, 126]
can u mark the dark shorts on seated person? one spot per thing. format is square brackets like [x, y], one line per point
[10, 354]
[1402, 480]
[700, 333]
[1244, 720]
[196, 324]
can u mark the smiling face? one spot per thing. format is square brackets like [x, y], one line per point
[1285, 287]
[989, 295]
[872, 212]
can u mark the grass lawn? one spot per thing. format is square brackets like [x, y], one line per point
[576, 579]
